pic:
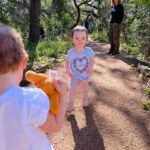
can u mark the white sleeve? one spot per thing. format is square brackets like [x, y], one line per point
[38, 107]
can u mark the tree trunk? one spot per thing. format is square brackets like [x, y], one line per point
[149, 36]
[78, 12]
[34, 28]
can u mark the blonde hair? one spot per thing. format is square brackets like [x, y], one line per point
[12, 51]
[79, 28]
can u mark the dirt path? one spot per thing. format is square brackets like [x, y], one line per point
[114, 120]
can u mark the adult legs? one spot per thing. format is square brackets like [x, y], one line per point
[116, 37]
[111, 32]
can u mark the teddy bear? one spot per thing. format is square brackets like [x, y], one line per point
[44, 82]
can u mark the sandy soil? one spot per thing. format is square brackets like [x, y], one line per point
[114, 120]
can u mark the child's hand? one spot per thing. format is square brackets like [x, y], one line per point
[89, 70]
[61, 86]
[69, 73]
[90, 67]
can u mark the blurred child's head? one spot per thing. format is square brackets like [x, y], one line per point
[79, 36]
[12, 52]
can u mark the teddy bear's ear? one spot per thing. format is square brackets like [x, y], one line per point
[34, 77]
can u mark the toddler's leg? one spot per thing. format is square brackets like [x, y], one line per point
[72, 94]
[84, 88]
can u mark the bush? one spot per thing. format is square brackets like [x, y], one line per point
[48, 49]
[53, 48]
[145, 104]
[32, 51]
[147, 92]
[133, 49]
[100, 36]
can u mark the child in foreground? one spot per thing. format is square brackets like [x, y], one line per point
[24, 112]
[79, 65]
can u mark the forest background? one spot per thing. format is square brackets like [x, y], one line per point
[46, 25]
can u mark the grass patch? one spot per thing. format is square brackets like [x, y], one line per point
[147, 92]
[100, 36]
[44, 54]
[145, 104]
[53, 49]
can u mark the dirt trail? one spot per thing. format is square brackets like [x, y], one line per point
[114, 120]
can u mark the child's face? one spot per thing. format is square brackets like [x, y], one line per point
[79, 39]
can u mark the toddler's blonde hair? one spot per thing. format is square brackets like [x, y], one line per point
[79, 28]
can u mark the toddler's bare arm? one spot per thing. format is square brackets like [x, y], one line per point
[91, 66]
[55, 122]
[67, 68]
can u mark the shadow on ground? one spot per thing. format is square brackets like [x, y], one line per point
[127, 106]
[114, 120]
[87, 138]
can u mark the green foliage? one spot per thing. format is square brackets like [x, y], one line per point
[58, 22]
[57, 28]
[15, 14]
[147, 92]
[52, 48]
[32, 51]
[135, 24]
[46, 52]
[134, 49]
[135, 27]
[145, 104]
[100, 36]
[143, 2]
[46, 3]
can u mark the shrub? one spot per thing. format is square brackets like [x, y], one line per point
[53, 48]
[100, 36]
[147, 92]
[145, 104]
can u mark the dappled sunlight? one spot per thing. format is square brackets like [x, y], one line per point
[113, 71]
[116, 127]
[117, 93]
[122, 116]
[89, 135]
[114, 119]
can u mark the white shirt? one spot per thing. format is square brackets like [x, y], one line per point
[22, 110]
